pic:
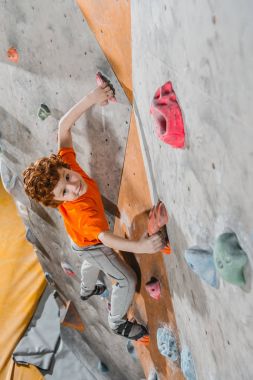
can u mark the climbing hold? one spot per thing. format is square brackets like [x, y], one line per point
[102, 367]
[9, 179]
[71, 318]
[43, 112]
[167, 344]
[50, 279]
[101, 79]
[187, 364]
[68, 270]
[153, 288]
[168, 116]
[230, 259]
[153, 375]
[105, 294]
[158, 218]
[131, 348]
[13, 54]
[201, 262]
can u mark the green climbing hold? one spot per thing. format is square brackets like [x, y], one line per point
[230, 259]
[44, 112]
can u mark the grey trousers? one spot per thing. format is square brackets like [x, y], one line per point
[98, 258]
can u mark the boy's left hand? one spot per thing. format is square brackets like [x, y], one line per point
[101, 94]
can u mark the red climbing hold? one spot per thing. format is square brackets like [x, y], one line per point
[153, 288]
[13, 54]
[168, 116]
[158, 218]
[101, 79]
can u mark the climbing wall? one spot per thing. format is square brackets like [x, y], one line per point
[203, 48]
[58, 60]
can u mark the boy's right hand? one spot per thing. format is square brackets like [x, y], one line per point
[150, 244]
[101, 94]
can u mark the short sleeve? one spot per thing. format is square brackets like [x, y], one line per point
[69, 156]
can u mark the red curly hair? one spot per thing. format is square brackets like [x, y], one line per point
[41, 177]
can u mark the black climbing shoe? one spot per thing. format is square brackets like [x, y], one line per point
[131, 330]
[99, 289]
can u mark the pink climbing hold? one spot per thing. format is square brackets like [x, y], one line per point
[153, 288]
[168, 116]
[68, 270]
[101, 79]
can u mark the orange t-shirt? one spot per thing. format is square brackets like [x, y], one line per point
[84, 218]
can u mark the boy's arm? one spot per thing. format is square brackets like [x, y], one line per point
[151, 244]
[97, 96]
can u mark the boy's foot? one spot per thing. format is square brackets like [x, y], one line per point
[131, 330]
[99, 289]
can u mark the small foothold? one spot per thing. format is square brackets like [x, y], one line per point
[49, 279]
[13, 55]
[201, 262]
[166, 343]
[153, 288]
[230, 259]
[105, 294]
[102, 367]
[168, 116]
[68, 270]
[43, 112]
[187, 364]
[153, 375]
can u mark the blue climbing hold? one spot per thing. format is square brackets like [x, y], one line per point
[230, 259]
[166, 343]
[201, 262]
[131, 349]
[102, 367]
[187, 364]
[105, 294]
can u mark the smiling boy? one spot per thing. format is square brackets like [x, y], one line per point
[58, 181]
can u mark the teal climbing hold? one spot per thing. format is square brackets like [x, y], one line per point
[43, 112]
[201, 262]
[230, 259]
[166, 343]
[187, 364]
[102, 367]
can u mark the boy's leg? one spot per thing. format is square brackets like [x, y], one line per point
[104, 259]
[89, 276]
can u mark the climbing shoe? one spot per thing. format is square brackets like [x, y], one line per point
[131, 330]
[99, 289]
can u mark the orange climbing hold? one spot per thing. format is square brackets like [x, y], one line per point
[13, 55]
[144, 340]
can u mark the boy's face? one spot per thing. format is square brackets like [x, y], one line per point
[70, 186]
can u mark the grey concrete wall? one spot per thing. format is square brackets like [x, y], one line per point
[205, 49]
[59, 57]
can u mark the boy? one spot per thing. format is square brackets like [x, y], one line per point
[58, 181]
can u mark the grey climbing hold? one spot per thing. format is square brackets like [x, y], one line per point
[49, 279]
[153, 375]
[230, 259]
[187, 364]
[201, 262]
[8, 178]
[43, 112]
[102, 367]
[166, 343]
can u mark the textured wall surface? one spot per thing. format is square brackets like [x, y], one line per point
[205, 49]
[59, 57]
